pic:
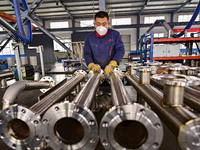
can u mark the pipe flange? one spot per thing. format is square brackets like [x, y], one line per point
[169, 78]
[168, 65]
[154, 63]
[102, 77]
[145, 69]
[178, 68]
[133, 64]
[189, 135]
[28, 135]
[139, 116]
[87, 130]
[81, 72]
[50, 80]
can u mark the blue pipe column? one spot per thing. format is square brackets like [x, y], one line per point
[151, 49]
[141, 45]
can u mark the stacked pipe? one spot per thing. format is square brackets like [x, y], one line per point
[20, 127]
[73, 125]
[183, 123]
[127, 125]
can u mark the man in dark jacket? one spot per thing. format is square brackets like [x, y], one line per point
[104, 46]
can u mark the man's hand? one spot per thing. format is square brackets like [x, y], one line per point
[93, 67]
[110, 67]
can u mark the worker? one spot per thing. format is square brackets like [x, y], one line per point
[103, 47]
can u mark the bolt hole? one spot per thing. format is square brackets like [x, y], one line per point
[23, 111]
[155, 145]
[56, 108]
[157, 125]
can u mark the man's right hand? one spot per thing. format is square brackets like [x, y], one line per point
[94, 67]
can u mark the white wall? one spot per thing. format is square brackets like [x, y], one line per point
[131, 31]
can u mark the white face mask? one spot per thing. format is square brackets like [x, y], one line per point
[101, 30]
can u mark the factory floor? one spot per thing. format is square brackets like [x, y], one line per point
[28, 98]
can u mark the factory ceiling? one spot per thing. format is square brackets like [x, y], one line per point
[63, 9]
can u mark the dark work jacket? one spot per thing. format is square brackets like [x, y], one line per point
[101, 50]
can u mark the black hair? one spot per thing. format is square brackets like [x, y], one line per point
[101, 14]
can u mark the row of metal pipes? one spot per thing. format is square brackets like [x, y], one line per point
[71, 125]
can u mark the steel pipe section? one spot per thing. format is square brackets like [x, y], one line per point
[17, 130]
[11, 93]
[6, 74]
[183, 123]
[20, 127]
[127, 125]
[73, 125]
[191, 96]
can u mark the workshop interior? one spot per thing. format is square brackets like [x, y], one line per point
[51, 99]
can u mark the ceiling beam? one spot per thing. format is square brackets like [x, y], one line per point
[181, 6]
[143, 7]
[61, 2]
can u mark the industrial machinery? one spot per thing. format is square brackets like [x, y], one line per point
[61, 123]
[127, 125]
[168, 106]
[73, 125]
[20, 126]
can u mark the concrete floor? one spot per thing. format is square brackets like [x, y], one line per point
[28, 98]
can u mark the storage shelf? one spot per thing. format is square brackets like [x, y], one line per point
[176, 40]
[176, 58]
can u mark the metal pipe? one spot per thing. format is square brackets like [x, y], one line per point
[57, 95]
[119, 94]
[179, 120]
[20, 127]
[191, 96]
[16, 51]
[42, 59]
[6, 74]
[13, 91]
[127, 125]
[72, 125]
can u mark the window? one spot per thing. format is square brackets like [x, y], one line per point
[56, 25]
[87, 23]
[158, 35]
[121, 21]
[8, 50]
[153, 19]
[57, 46]
[186, 18]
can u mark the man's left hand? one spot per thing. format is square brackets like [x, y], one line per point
[110, 67]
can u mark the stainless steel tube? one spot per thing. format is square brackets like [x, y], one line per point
[6, 74]
[11, 93]
[191, 96]
[180, 121]
[119, 93]
[20, 127]
[127, 125]
[73, 125]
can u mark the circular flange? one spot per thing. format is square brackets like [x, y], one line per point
[189, 135]
[81, 72]
[20, 128]
[82, 116]
[140, 115]
[50, 80]
[173, 79]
